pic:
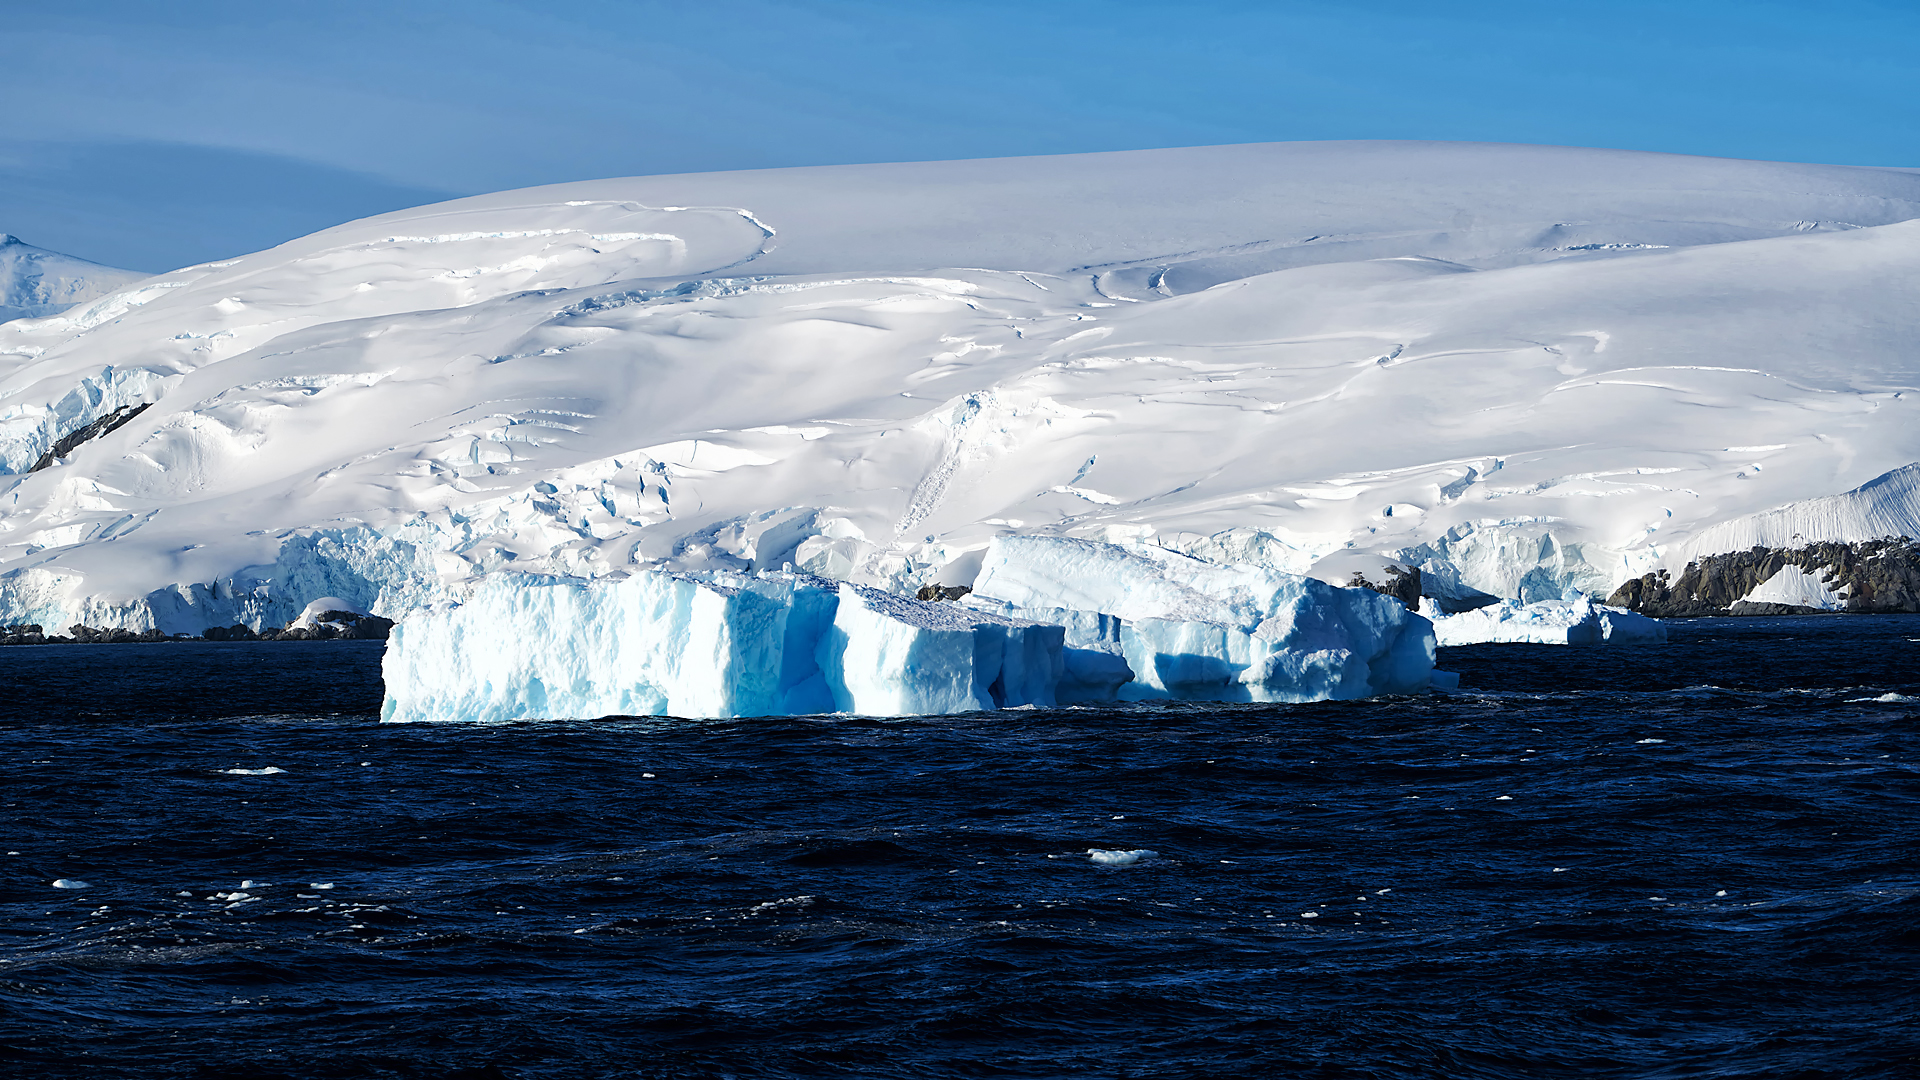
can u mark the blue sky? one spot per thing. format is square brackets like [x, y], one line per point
[154, 135]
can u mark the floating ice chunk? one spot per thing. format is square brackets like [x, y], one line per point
[1309, 914]
[1577, 621]
[1106, 857]
[1503, 798]
[887, 655]
[1205, 631]
[1645, 742]
[71, 883]
[1885, 699]
[270, 770]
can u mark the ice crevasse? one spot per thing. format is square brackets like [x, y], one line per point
[1156, 626]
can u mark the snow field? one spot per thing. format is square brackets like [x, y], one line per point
[1792, 585]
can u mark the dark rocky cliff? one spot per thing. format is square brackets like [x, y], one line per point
[1877, 577]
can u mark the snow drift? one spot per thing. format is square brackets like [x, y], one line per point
[1523, 369]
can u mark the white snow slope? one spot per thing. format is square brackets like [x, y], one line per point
[1527, 368]
[35, 282]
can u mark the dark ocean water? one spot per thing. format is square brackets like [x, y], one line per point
[1690, 861]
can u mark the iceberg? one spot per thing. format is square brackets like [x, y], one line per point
[1195, 630]
[1152, 624]
[1574, 621]
[660, 644]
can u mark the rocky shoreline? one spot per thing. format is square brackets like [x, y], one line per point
[331, 626]
[1876, 577]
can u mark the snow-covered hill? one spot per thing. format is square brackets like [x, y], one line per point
[35, 282]
[1525, 367]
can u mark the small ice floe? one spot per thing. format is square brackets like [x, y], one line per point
[1647, 742]
[1503, 798]
[789, 901]
[1722, 892]
[320, 885]
[1560, 869]
[1105, 857]
[271, 770]
[252, 884]
[1884, 699]
[70, 883]
[1309, 914]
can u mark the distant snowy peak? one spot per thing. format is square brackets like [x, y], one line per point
[35, 282]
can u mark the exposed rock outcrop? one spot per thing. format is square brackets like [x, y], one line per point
[1875, 577]
[72, 441]
[1403, 584]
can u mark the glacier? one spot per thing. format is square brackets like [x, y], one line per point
[1575, 620]
[1522, 370]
